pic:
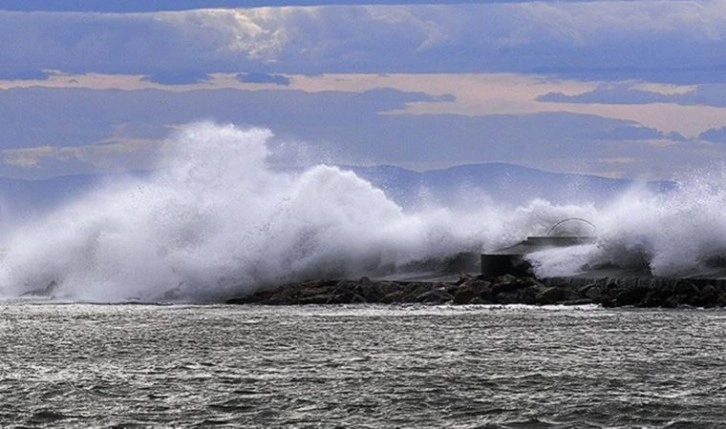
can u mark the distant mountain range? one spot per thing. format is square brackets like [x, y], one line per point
[504, 183]
[38, 195]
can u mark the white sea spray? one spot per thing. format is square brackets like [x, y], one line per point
[215, 219]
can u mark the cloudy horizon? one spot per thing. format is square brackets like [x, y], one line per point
[617, 89]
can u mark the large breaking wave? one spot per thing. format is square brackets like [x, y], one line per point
[216, 220]
[670, 234]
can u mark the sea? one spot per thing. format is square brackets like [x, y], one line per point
[365, 366]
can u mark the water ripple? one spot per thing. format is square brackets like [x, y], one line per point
[473, 367]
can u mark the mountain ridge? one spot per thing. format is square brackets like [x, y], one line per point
[501, 182]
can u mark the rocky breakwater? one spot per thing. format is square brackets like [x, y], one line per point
[506, 289]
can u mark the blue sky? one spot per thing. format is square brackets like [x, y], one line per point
[614, 88]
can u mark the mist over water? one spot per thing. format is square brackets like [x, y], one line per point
[216, 219]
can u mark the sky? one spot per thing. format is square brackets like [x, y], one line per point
[633, 89]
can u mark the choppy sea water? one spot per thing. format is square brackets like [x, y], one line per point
[82, 365]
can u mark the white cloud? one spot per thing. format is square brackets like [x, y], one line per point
[110, 156]
[259, 34]
[27, 158]
[604, 57]
[648, 40]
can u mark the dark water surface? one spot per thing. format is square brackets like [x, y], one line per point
[366, 366]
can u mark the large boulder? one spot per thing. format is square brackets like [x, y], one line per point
[471, 289]
[556, 295]
[435, 296]
[631, 296]
[592, 291]
[507, 289]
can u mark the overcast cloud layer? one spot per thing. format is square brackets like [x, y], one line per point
[678, 42]
[585, 86]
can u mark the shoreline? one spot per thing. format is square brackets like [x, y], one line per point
[645, 292]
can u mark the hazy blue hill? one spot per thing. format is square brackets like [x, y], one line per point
[26, 197]
[501, 182]
[35, 195]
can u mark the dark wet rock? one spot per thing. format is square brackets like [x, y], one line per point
[508, 283]
[357, 299]
[631, 296]
[393, 297]
[606, 301]
[529, 294]
[363, 290]
[507, 289]
[478, 301]
[692, 293]
[469, 289]
[591, 291]
[579, 301]
[675, 301]
[435, 296]
[555, 294]
[323, 298]
[507, 298]
[709, 296]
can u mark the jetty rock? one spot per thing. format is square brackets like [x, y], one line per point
[505, 289]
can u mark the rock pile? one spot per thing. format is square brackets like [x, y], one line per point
[506, 289]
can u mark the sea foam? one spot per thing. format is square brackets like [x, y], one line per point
[216, 220]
